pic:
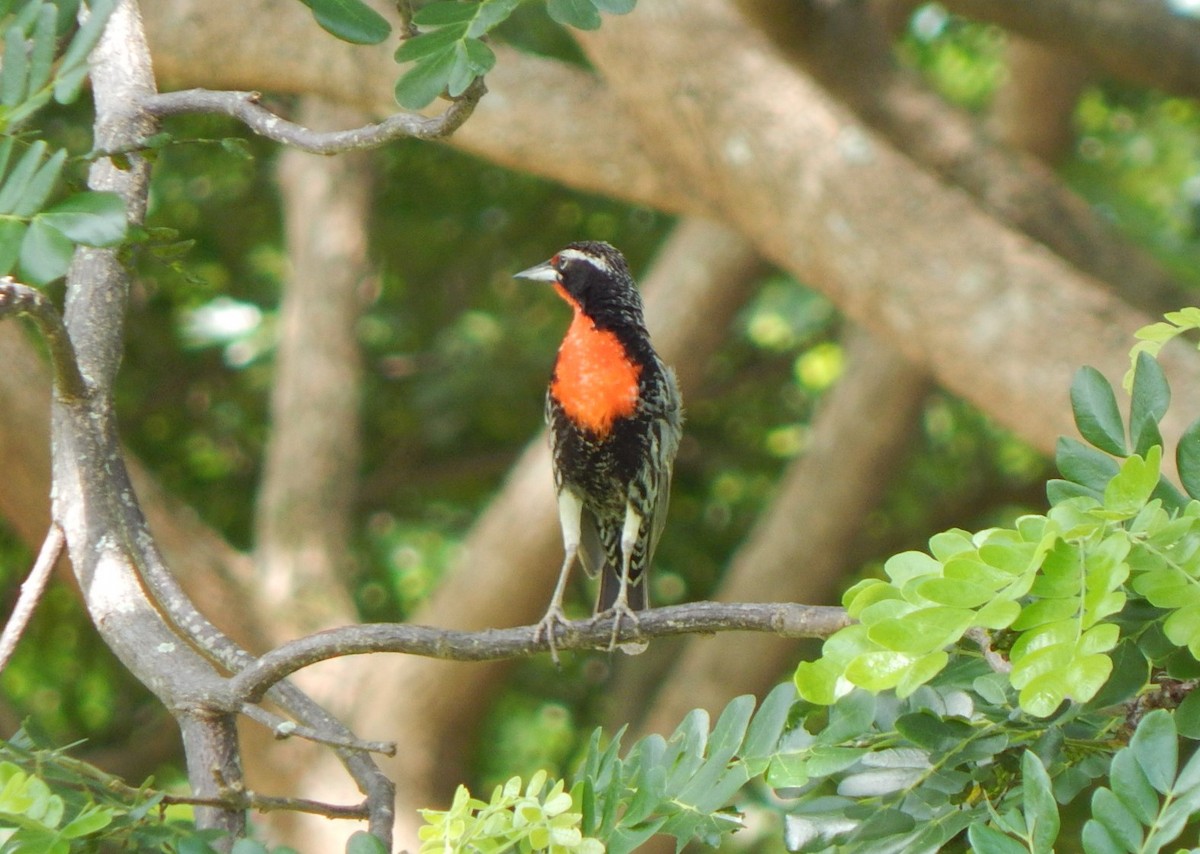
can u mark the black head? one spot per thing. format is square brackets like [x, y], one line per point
[594, 275]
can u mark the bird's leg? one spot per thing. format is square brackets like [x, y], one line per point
[554, 614]
[570, 516]
[620, 608]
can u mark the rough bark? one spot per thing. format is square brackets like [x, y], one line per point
[310, 473]
[93, 500]
[847, 48]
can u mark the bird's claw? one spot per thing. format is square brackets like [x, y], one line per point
[546, 626]
[617, 613]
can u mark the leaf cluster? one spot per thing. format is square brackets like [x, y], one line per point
[534, 817]
[50, 802]
[38, 239]
[450, 53]
[1118, 537]
[679, 786]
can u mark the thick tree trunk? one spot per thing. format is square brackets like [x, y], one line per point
[310, 474]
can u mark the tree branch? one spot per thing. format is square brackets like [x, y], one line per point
[246, 107]
[282, 728]
[1131, 39]
[31, 593]
[780, 618]
[16, 300]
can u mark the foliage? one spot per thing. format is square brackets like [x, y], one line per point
[1117, 537]
[52, 803]
[451, 52]
[36, 239]
[1147, 804]
[536, 818]
[679, 787]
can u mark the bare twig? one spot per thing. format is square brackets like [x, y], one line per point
[245, 800]
[246, 107]
[31, 593]
[785, 619]
[16, 300]
[283, 728]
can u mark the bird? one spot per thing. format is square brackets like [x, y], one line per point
[615, 418]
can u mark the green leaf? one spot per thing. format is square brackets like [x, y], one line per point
[1083, 465]
[46, 253]
[489, 14]
[906, 566]
[73, 67]
[1156, 748]
[12, 232]
[1128, 492]
[429, 43]
[1187, 716]
[1187, 458]
[955, 592]
[1120, 823]
[442, 13]
[878, 671]
[817, 681]
[41, 185]
[90, 820]
[923, 630]
[766, 728]
[1096, 840]
[361, 842]
[849, 718]
[350, 20]
[985, 839]
[1149, 401]
[580, 14]
[89, 218]
[14, 70]
[1130, 785]
[1058, 491]
[419, 86]
[615, 7]
[1043, 695]
[1041, 812]
[1096, 415]
[13, 189]
[41, 58]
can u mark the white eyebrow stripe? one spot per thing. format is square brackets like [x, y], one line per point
[595, 260]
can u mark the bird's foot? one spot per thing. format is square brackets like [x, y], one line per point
[547, 626]
[620, 612]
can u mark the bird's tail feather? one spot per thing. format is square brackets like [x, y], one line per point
[610, 586]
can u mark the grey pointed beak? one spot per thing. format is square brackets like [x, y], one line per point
[543, 272]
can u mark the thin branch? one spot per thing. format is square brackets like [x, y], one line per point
[246, 107]
[233, 799]
[283, 728]
[230, 797]
[16, 300]
[784, 619]
[31, 593]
